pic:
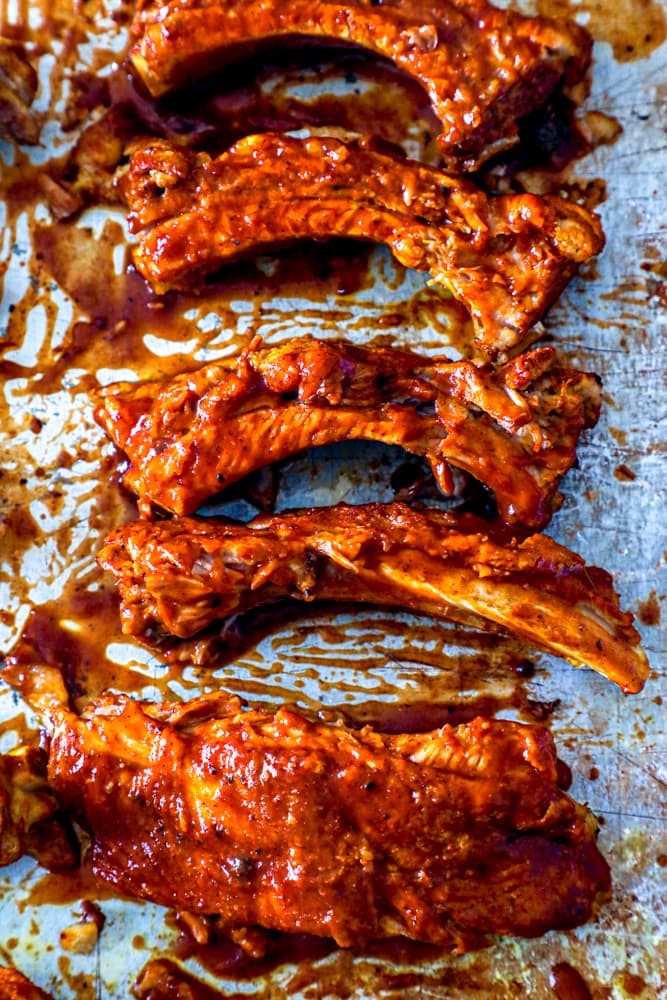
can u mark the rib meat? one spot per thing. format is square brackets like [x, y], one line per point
[272, 820]
[515, 429]
[506, 258]
[482, 68]
[31, 820]
[18, 86]
[183, 574]
[15, 986]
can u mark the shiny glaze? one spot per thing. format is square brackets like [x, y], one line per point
[459, 52]
[505, 258]
[292, 825]
[514, 429]
[183, 574]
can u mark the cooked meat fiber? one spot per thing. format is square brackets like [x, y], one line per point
[506, 258]
[272, 820]
[15, 986]
[31, 820]
[482, 68]
[18, 86]
[181, 575]
[515, 428]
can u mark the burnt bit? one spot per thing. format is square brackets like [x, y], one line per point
[624, 474]
[93, 914]
[540, 711]
[648, 611]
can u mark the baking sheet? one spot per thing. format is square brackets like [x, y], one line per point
[59, 500]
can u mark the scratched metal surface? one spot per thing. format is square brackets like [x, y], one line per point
[613, 321]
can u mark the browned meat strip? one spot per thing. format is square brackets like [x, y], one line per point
[271, 820]
[181, 575]
[505, 258]
[482, 68]
[514, 429]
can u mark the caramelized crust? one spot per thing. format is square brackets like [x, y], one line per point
[505, 258]
[15, 986]
[30, 814]
[482, 68]
[271, 820]
[18, 86]
[183, 574]
[515, 429]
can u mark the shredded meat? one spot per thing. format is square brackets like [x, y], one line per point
[482, 68]
[515, 429]
[181, 575]
[506, 258]
[31, 820]
[18, 86]
[271, 820]
[15, 986]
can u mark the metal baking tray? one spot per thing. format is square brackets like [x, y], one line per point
[67, 324]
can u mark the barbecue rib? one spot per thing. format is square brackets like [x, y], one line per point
[506, 258]
[271, 820]
[515, 429]
[15, 986]
[482, 68]
[181, 575]
[30, 815]
[18, 86]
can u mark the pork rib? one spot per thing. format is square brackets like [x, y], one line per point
[181, 575]
[272, 820]
[505, 258]
[482, 68]
[515, 428]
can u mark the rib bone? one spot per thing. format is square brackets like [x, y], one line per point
[482, 68]
[183, 574]
[506, 258]
[515, 429]
[271, 820]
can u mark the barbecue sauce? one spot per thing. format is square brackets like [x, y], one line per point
[115, 322]
[633, 28]
[567, 983]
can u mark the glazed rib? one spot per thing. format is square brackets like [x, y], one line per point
[31, 820]
[18, 86]
[183, 574]
[515, 428]
[482, 68]
[505, 258]
[271, 820]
